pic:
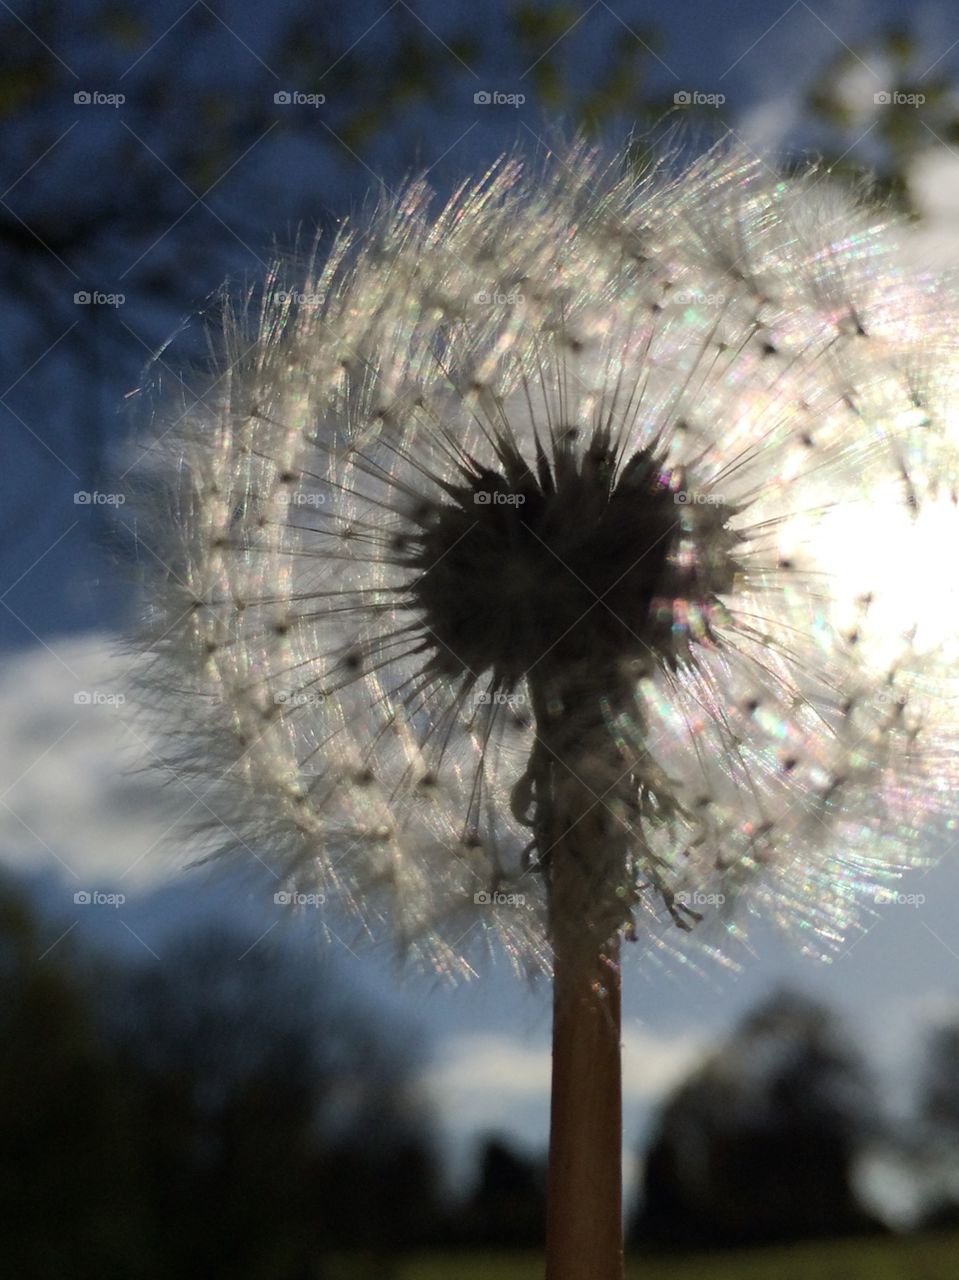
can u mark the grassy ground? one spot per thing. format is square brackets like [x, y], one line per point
[925, 1258]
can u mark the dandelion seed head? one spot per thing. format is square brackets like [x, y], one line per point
[641, 472]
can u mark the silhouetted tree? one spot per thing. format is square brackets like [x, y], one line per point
[71, 1184]
[284, 1112]
[879, 125]
[507, 1207]
[940, 1102]
[935, 1146]
[759, 1144]
[230, 1111]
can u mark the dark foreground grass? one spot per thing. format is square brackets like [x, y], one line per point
[917, 1258]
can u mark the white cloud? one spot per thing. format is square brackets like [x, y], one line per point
[478, 1063]
[770, 123]
[653, 1064]
[488, 1082]
[933, 178]
[481, 1077]
[75, 797]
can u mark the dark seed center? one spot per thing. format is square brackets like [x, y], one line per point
[566, 562]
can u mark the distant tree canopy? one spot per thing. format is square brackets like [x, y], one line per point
[876, 106]
[228, 1112]
[940, 1102]
[935, 1139]
[198, 166]
[69, 1164]
[506, 1208]
[219, 1114]
[758, 1146]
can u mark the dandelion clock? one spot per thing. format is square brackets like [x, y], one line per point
[545, 572]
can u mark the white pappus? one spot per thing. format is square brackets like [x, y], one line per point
[590, 480]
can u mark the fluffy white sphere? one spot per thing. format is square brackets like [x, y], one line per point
[628, 471]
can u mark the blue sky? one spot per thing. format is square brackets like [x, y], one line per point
[73, 817]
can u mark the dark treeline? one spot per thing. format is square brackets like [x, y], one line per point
[227, 1112]
[234, 1111]
[759, 1145]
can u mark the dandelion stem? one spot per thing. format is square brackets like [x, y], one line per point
[582, 791]
[584, 1231]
